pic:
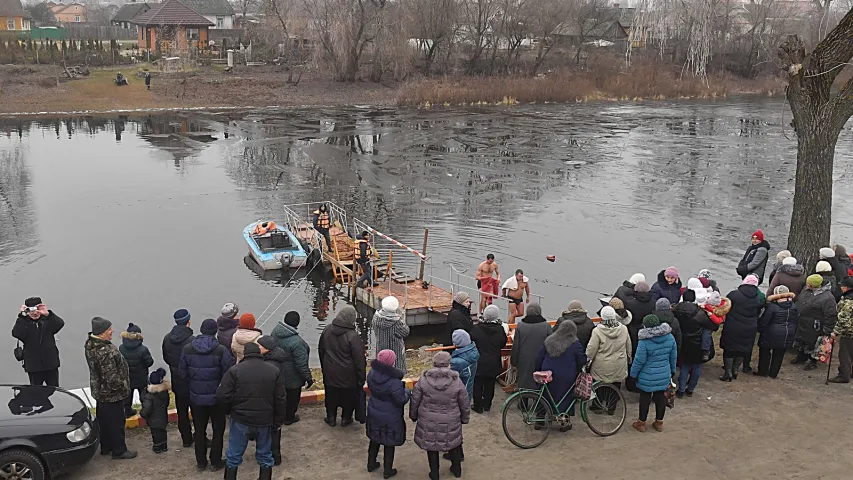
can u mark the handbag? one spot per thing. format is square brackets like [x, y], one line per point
[670, 394]
[583, 386]
[19, 352]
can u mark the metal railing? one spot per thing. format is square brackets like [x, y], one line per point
[293, 218]
[456, 285]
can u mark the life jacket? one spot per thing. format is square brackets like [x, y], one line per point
[357, 254]
[322, 219]
[262, 228]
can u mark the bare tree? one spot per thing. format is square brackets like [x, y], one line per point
[819, 117]
[432, 25]
[344, 28]
[477, 28]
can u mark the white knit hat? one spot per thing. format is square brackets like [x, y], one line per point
[827, 252]
[789, 261]
[823, 266]
[637, 278]
[390, 304]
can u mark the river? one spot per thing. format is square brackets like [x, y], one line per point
[133, 217]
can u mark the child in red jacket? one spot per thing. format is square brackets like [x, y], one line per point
[717, 307]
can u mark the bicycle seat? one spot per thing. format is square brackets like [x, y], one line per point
[543, 377]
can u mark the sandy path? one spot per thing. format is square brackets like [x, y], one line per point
[794, 427]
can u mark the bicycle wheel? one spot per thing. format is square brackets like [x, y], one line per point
[605, 411]
[527, 419]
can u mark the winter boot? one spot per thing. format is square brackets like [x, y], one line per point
[388, 470]
[736, 367]
[231, 473]
[658, 425]
[372, 453]
[800, 358]
[639, 425]
[727, 369]
[839, 379]
[433, 465]
[265, 473]
[811, 364]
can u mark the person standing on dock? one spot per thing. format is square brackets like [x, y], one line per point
[488, 279]
[173, 346]
[362, 258]
[322, 223]
[514, 290]
[36, 328]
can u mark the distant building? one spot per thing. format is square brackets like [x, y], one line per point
[68, 12]
[171, 27]
[219, 12]
[13, 17]
[123, 18]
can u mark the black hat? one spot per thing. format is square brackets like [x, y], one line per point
[251, 348]
[157, 376]
[208, 327]
[847, 282]
[267, 342]
[33, 302]
[688, 296]
[100, 325]
[292, 319]
[132, 328]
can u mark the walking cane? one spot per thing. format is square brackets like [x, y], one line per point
[829, 367]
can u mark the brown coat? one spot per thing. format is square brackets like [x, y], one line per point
[792, 276]
[440, 406]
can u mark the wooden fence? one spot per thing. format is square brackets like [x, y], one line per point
[95, 32]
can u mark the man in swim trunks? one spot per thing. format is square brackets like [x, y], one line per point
[514, 290]
[487, 282]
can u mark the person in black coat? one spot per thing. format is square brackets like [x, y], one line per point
[173, 346]
[155, 409]
[138, 360]
[740, 327]
[459, 317]
[692, 321]
[778, 330]
[640, 303]
[277, 356]
[254, 393]
[490, 337]
[665, 313]
[36, 328]
[344, 366]
[838, 269]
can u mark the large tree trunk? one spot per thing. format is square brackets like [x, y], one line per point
[819, 117]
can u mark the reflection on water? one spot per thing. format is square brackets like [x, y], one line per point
[132, 217]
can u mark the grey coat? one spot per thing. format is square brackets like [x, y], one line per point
[388, 332]
[529, 337]
[440, 406]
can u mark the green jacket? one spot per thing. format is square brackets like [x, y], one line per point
[295, 367]
[109, 377]
[844, 325]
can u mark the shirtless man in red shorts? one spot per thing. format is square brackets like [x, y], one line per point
[487, 281]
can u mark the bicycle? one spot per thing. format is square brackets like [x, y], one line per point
[605, 406]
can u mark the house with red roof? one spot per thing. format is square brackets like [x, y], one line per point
[171, 27]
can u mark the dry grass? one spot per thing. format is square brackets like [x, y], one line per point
[417, 361]
[636, 83]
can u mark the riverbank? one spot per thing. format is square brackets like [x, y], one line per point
[35, 89]
[748, 429]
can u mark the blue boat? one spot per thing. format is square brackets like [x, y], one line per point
[277, 249]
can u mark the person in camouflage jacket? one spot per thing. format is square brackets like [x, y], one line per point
[843, 333]
[109, 380]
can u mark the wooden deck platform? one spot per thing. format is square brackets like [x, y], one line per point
[422, 306]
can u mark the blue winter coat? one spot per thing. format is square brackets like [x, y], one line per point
[204, 362]
[564, 370]
[388, 394]
[464, 361]
[662, 289]
[778, 324]
[654, 362]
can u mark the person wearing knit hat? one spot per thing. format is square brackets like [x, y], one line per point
[464, 359]
[110, 385]
[755, 258]
[155, 409]
[386, 425]
[789, 274]
[842, 333]
[575, 312]
[668, 286]
[619, 306]
[637, 278]
[824, 268]
[35, 328]
[780, 259]
[775, 328]
[826, 252]
[653, 367]
[440, 407]
[838, 269]
[609, 349]
[138, 360]
[230, 310]
[530, 334]
[740, 327]
[627, 288]
[388, 331]
[173, 346]
[204, 362]
[818, 312]
[664, 312]
[227, 324]
[297, 373]
[459, 317]
[490, 338]
[344, 366]
[246, 333]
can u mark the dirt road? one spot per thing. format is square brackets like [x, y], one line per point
[793, 427]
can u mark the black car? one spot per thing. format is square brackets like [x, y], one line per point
[46, 431]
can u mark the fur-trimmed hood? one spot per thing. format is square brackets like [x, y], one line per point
[163, 387]
[723, 308]
[782, 296]
[439, 378]
[661, 330]
[792, 270]
[558, 342]
[131, 339]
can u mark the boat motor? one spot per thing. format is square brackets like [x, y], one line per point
[285, 259]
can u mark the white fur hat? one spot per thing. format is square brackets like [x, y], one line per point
[827, 252]
[637, 278]
[390, 304]
[823, 267]
[789, 261]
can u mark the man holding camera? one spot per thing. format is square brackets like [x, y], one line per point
[36, 328]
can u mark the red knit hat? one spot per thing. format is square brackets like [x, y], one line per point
[758, 234]
[247, 320]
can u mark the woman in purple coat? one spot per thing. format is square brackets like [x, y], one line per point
[564, 356]
[385, 423]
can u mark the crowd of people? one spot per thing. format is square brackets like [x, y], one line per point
[644, 335]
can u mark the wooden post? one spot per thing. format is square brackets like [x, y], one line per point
[423, 251]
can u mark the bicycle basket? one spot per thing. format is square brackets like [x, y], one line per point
[583, 386]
